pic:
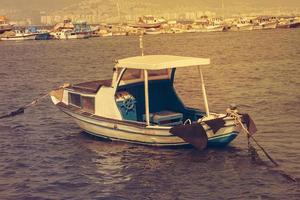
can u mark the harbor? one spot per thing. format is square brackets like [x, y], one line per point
[44, 153]
[144, 25]
[154, 100]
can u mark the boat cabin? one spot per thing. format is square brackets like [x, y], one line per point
[140, 91]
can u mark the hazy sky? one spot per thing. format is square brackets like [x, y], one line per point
[54, 4]
[32, 8]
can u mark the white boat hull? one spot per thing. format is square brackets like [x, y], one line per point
[269, 25]
[216, 28]
[242, 27]
[18, 38]
[151, 135]
[69, 35]
[153, 33]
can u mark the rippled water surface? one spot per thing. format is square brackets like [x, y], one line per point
[44, 155]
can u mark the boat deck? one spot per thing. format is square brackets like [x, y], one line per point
[89, 87]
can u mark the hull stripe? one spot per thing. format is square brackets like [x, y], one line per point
[133, 132]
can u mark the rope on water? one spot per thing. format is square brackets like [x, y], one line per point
[23, 108]
[245, 130]
[31, 104]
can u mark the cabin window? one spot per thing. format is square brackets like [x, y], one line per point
[88, 104]
[131, 74]
[162, 72]
[75, 99]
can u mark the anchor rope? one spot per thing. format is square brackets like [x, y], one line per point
[21, 109]
[237, 118]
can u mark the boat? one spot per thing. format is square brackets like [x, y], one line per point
[257, 26]
[243, 26]
[214, 28]
[148, 21]
[152, 31]
[39, 34]
[4, 25]
[140, 105]
[288, 22]
[295, 23]
[68, 30]
[67, 34]
[17, 35]
[283, 23]
[205, 24]
[43, 36]
[268, 24]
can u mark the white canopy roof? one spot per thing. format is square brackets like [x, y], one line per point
[157, 62]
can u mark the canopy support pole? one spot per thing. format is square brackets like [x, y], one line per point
[204, 92]
[146, 97]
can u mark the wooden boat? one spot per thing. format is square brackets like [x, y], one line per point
[140, 105]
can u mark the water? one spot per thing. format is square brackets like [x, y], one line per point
[44, 155]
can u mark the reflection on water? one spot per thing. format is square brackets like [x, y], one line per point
[108, 163]
[43, 155]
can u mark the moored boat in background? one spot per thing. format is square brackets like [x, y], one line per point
[4, 25]
[242, 26]
[268, 24]
[17, 35]
[152, 31]
[68, 30]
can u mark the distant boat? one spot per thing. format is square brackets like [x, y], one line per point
[214, 28]
[242, 27]
[294, 23]
[107, 34]
[39, 34]
[68, 30]
[43, 36]
[288, 23]
[66, 24]
[152, 31]
[70, 34]
[148, 21]
[206, 24]
[257, 27]
[268, 24]
[18, 35]
[4, 26]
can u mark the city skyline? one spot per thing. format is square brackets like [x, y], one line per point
[34, 11]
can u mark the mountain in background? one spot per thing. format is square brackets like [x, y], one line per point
[20, 9]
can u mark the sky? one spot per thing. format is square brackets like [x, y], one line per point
[32, 8]
[54, 4]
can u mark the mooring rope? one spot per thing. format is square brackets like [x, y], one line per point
[31, 104]
[238, 119]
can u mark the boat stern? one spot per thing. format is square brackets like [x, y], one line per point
[222, 140]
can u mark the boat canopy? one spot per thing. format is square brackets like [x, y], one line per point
[158, 62]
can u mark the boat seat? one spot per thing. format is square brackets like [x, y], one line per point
[165, 118]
